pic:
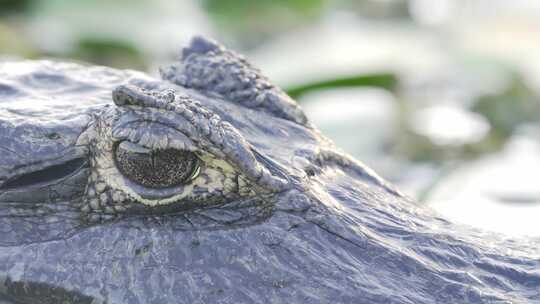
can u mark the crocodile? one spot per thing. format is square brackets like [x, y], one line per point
[210, 185]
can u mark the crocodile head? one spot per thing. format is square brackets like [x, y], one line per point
[210, 185]
[223, 142]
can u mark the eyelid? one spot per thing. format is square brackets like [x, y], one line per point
[169, 118]
[193, 128]
[134, 148]
[154, 136]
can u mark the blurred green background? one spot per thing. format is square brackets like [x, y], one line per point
[441, 97]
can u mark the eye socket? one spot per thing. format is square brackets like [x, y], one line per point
[156, 168]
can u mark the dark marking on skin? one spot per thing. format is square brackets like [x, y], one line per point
[47, 175]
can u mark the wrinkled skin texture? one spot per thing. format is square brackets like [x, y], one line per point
[275, 215]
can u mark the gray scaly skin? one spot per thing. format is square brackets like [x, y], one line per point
[274, 212]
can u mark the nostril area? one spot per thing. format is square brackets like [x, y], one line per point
[53, 136]
[310, 172]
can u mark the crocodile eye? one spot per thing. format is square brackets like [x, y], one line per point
[156, 168]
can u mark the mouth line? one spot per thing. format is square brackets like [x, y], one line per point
[166, 209]
[240, 210]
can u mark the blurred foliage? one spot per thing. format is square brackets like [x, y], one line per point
[515, 105]
[14, 6]
[11, 42]
[418, 148]
[381, 80]
[94, 47]
[109, 52]
[66, 4]
[254, 20]
[395, 9]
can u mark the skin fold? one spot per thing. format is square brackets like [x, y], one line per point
[256, 205]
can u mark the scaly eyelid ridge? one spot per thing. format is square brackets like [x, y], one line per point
[205, 129]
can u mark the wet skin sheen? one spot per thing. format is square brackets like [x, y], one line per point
[210, 185]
